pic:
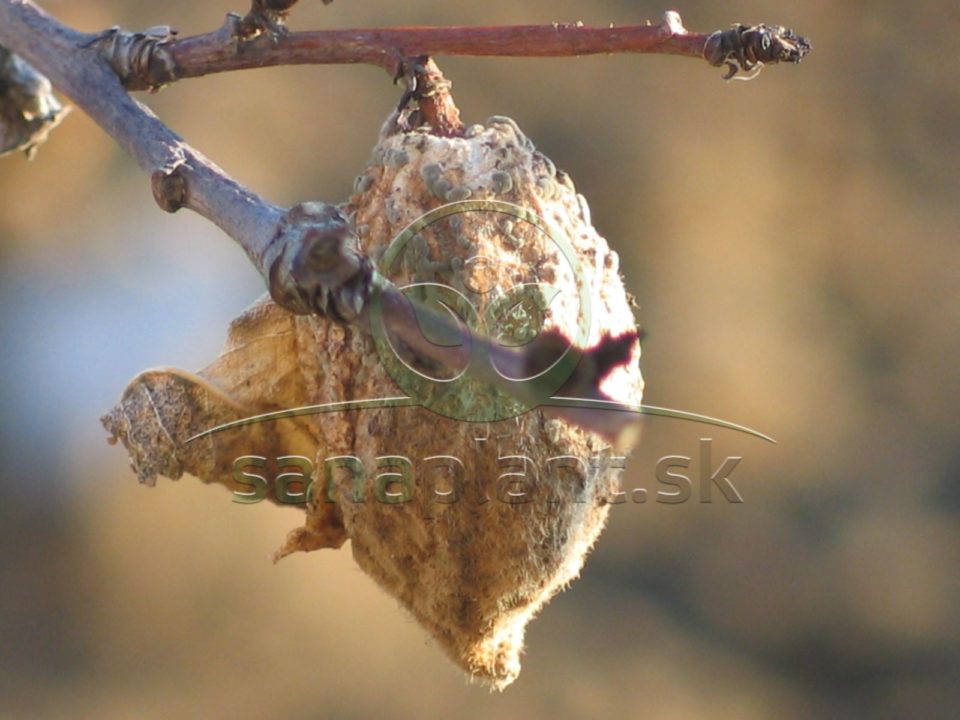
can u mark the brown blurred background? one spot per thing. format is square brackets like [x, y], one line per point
[793, 242]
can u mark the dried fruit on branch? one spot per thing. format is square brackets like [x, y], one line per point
[470, 510]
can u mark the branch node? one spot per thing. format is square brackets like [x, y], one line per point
[744, 48]
[671, 24]
[169, 188]
[230, 30]
[313, 264]
[142, 60]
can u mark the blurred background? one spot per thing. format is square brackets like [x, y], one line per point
[793, 244]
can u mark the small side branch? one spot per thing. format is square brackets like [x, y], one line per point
[231, 49]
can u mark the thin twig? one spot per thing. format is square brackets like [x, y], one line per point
[205, 54]
[235, 47]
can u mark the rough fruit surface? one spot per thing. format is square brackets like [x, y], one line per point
[493, 516]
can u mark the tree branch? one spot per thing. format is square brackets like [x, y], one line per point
[228, 49]
[205, 54]
[308, 254]
[181, 176]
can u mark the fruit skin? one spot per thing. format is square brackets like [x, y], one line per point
[475, 574]
[474, 571]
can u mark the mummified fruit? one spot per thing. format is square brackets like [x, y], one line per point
[468, 509]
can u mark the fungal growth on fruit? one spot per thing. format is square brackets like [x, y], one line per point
[496, 507]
